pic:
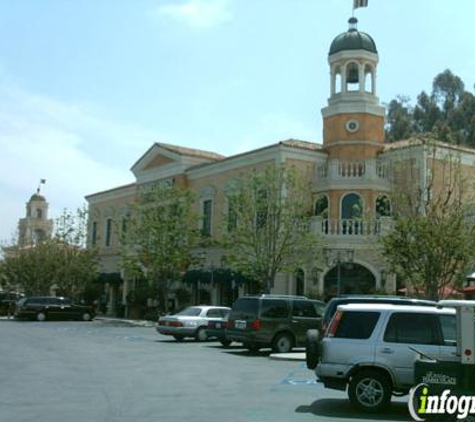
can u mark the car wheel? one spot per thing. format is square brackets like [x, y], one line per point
[283, 343]
[201, 334]
[225, 342]
[178, 338]
[41, 316]
[370, 391]
[86, 316]
[313, 348]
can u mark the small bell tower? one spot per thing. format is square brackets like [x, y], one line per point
[35, 227]
[353, 121]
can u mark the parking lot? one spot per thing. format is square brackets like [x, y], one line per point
[108, 371]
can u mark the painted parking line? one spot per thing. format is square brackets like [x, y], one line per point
[298, 382]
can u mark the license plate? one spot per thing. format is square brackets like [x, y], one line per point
[218, 325]
[241, 325]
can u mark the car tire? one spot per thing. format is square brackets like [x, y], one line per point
[201, 334]
[283, 343]
[86, 316]
[370, 391]
[313, 348]
[41, 316]
[178, 338]
[225, 342]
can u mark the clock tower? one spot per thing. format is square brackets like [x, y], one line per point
[353, 121]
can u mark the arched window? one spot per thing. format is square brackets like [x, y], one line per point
[321, 206]
[369, 78]
[337, 81]
[299, 282]
[352, 77]
[383, 206]
[351, 206]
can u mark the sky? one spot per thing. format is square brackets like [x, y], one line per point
[87, 86]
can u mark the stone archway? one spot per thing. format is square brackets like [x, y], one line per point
[354, 279]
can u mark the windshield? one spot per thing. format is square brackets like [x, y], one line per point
[192, 311]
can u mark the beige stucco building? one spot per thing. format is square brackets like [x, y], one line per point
[353, 175]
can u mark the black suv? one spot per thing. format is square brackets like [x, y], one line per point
[277, 321]
[43, 308]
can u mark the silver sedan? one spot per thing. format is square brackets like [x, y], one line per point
[191, 322]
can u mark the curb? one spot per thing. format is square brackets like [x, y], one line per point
[129, 322]
[298, 356]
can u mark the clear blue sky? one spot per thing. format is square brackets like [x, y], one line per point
[86, 86]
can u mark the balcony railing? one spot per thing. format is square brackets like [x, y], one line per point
[351, 227]
[344, 170]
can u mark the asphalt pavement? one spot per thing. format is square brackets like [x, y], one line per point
[109, 371]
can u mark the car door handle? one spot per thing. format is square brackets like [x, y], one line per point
[387, 350]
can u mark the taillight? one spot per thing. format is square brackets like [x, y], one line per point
[255, 324]
[335, 322]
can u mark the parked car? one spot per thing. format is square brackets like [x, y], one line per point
[51, 308]
[276, 321]
[191, 322]
[368, 348]
[218, 329]
[8, 301]
[332, 305]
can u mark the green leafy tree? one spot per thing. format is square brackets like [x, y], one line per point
[431, 243]
[449, 109]
[61, 262]
[268, 221]
[161, 232]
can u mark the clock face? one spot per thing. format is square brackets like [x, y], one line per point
[352, 125]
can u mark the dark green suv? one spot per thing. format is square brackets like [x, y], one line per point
[277, 321]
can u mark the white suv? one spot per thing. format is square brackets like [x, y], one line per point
[370, 349]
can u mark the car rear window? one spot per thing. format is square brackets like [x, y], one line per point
[274, 308]
[190, 312]
[214, 313]
[412, 328]
[357, 325]
[245, 308]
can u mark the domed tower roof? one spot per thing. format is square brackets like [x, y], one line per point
[37, 197]
[353, 40]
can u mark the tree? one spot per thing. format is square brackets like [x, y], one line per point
[61, 262]
[449, 109]
[157, 244]
[431, 243]
[268, 220]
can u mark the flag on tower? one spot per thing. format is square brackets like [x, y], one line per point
[360, 3]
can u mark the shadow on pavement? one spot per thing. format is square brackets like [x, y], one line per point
[341, 408]
[248, 354]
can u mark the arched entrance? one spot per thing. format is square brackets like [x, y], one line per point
[299, 282]
[354, 279]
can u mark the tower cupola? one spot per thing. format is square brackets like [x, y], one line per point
[354, 115]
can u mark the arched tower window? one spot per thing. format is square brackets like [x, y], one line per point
[337, 81]
[369, 79]
[352, 77]
[351, 206]
[39, 213]
[321, 206]
[383, 206]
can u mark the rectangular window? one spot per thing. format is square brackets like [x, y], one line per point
[207, 211]
[94, 233]
[357, 325]
[108, 231]
[412, 328]
[274, 308]
[124, 226]
[303, 309]
[232, 216]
